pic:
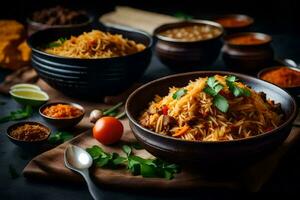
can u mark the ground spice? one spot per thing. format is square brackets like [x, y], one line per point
[283, 77]
[62, 111]
[30, 132]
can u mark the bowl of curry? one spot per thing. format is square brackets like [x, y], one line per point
[62, 114]
[188, 45]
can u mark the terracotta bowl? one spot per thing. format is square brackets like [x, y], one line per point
[61, 123]
[247, 58]
[27, 145]
[235, 23]
[181, 55]
[295, 91]
[208, 154]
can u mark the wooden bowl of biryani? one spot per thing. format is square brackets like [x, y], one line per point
[89, 63]
[220, 118]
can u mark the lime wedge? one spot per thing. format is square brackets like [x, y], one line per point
[25, 86]
[29, 96]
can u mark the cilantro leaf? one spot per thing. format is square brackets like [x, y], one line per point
[18, 114]
[211, 82]
[221, 103]
[247, 92]
[218, 88]
[127, 149]
[236, 90]
[231, 78]
[119, 160]
[179, 93]
[57, 43]
[213, 89]
[60, 137]
[135, 164]
[181, 15]
[210, 91]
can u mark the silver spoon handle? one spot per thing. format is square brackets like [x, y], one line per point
[95, 192]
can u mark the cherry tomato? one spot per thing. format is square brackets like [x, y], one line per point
[108, 130]
[164, 110]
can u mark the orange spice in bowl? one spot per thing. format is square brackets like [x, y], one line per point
[285, 77]
[60, 111]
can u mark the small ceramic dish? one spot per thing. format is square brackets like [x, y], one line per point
[61, 123]
[295, 91]
[28, 144]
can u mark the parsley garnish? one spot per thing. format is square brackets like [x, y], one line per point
[17, 115]
[57, 43]
[213, 88]
[135, 164]
[179, 93]
[181, 15]
[236, 90]
[60, 137]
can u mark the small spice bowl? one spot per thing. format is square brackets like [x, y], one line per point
[293, 89]
[63, 122]
[234, 23]
[27, 142]
[247, 52]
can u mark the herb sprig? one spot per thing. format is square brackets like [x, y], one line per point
[57, 43]
[213, 88]
[18, 114]
[236, 90]
[60, 137]
[135, 164]
[179, 93]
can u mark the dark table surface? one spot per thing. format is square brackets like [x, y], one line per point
[285, 179]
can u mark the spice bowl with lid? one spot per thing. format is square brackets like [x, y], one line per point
[28, 134]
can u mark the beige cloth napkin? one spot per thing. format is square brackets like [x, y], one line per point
[50, 166]
[136, 18]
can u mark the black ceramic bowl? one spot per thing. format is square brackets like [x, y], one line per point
[187, 55]
[29, 145]
[246, 57]
[295, 91]
[89, 78]
[33, 26]
[61, 123]
[208, 154]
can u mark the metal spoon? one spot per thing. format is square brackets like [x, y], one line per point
[79, 160]
[290, 62]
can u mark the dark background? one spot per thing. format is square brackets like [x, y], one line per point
[270, 16]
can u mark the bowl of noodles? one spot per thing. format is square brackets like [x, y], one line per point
[210, 117]
[90, 62]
